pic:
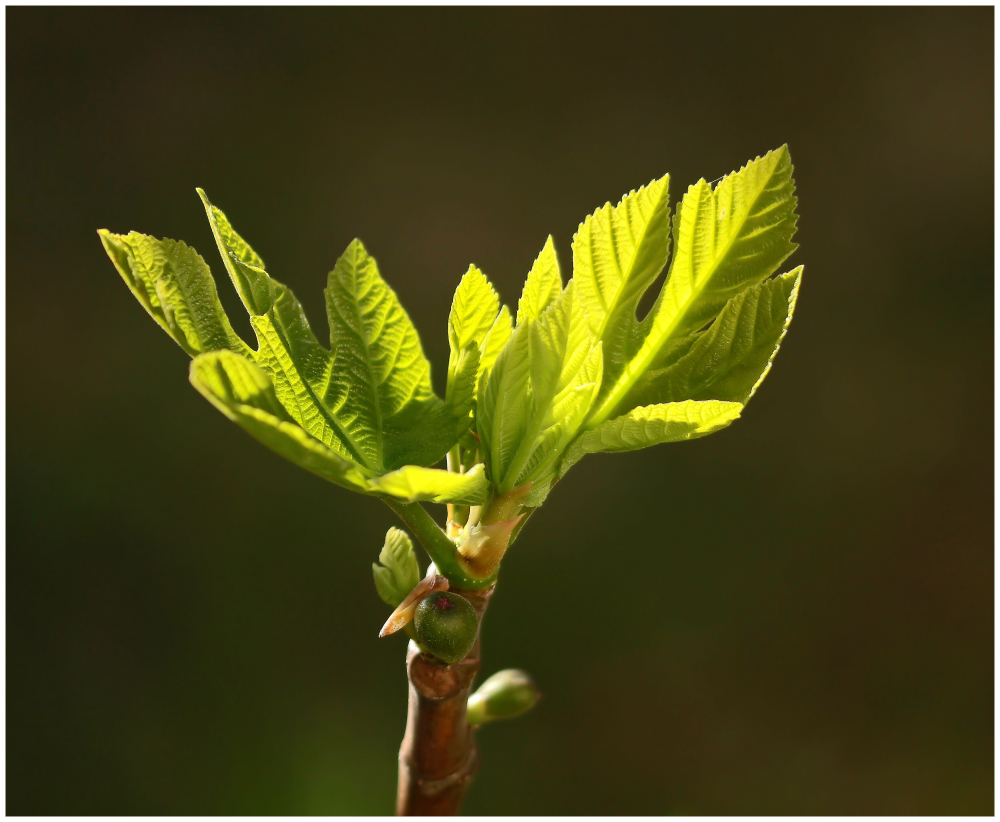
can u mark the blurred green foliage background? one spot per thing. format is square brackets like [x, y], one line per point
[792, 616]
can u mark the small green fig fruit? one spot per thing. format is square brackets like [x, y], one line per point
[446, 625]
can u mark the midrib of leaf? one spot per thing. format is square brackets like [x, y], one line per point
[648, 352]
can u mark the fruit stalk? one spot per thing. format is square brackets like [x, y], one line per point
[438, 756]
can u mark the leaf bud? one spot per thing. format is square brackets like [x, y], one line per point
[504, 695]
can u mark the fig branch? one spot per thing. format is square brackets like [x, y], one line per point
[438, 758]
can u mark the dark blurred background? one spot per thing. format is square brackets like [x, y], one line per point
[791, 617]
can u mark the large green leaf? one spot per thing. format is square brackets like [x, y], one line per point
[617, 254]
[730, 359]
[380, 385]
[652, 425]
[543, 286]
[414, 483]
[727, 239]
[173, 283]
[243, 392]
[537, 396]
[370, 404]
[301, 370]
[287, 348]
[396, 572]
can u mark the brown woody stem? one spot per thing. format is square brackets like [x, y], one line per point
[438, 756]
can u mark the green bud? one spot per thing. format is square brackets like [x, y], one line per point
[398, 572]
[446, 625]
[504, 695]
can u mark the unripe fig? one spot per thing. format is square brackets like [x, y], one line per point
[446, 625]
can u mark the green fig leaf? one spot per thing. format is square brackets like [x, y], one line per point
[245, 266]
[174, 284]
[493, 343]
[359, 414]
[461, 396]
[287, 348]
[503, 403]
[565, 374]
[652, 425]
[380, 381]
[414, 483]
[727, 239]
[543, 286]
[243, 392]
[731, 358]
[474, 311]
[617, 254]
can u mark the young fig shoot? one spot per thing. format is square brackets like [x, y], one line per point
[578, 372]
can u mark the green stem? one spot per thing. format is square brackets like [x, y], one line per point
[439, 548]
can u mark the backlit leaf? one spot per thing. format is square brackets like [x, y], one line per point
[380, 383]
[494, 341]
[245, 267]
[543, 286]
[730, 359]
[461, 396]
[414, 483]
[727, 239]
[173, 283]
[617, 254]
[474, 311]
[565, 374]
[503, 403]
[652, 425]
[243, 392]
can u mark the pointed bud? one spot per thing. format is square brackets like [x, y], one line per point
[504, 695]
[404, 612]
[482, 551]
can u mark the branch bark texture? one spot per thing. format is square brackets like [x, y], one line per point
[438, 759]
